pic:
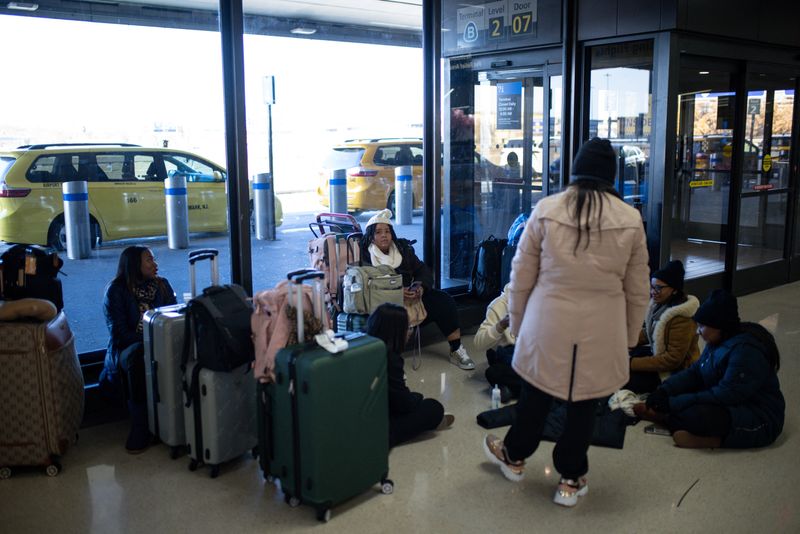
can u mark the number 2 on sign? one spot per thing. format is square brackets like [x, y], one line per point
[521, 23]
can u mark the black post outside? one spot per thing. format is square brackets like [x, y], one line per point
[231, 26]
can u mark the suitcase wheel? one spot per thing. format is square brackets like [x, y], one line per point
[214, 471]
[269, 478]
[53, 469]
[294, 502]
[254, 452]
[387, 486]
[5, 472]
[174, 452]
[323, 514]
[193, 464]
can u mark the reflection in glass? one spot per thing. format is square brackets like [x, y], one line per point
[620, 110]
[702, 171]
[554, 151]
[762, 217]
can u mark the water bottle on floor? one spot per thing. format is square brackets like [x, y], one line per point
[495, 397]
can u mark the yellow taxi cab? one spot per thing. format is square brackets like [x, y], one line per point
[370, 165]
[126, 191]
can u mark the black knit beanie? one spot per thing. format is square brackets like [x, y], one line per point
[671, 274]
[596, 159]
[719, 310]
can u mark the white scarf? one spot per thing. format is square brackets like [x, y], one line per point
[392, 259]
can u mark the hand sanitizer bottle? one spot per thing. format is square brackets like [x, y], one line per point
[495, 397]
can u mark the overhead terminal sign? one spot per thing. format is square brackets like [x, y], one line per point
[496, 22]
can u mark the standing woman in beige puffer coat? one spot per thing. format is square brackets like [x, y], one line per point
[578, 296]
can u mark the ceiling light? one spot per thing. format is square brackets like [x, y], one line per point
[303, 30]
[704, 72]
[23, 6]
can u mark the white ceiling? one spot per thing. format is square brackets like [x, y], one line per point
[393, 14]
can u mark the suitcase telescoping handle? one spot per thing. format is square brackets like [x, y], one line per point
[297, 278]
[202, 255]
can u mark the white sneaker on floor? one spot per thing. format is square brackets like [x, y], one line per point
[461, 359]
[568, 491]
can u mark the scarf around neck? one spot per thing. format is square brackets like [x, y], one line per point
[145, 295]
[393, 259]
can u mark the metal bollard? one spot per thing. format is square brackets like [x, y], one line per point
[264, 206]
[403, 194]
[338, 191]
[177, 211]
[76, 219]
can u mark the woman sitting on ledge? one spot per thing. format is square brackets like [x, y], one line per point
[381, 246]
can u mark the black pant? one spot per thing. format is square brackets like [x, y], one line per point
[707, 420]
[131, 361]
[426, 416]
[642, 381]
[570, 453]
[502, 374]
[441, 310]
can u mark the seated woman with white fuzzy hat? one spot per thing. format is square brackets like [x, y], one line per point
[381, 246]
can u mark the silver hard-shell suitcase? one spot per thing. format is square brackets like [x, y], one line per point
[164, 332]
[226, 413]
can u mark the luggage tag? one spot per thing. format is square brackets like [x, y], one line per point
[30, 264]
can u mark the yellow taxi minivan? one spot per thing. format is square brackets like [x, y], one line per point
[126, 191]
[370, 165]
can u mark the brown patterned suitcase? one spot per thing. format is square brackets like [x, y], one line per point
[41, 394]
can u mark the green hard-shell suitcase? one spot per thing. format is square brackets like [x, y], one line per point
[324, 423]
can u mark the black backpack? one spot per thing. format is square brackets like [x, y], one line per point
[766, 338]
[218, 327]
[485, 283]
[30, 271]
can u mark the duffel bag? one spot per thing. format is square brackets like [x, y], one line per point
[367, 287]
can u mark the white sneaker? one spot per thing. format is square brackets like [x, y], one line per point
[461, 359]
[568, 491]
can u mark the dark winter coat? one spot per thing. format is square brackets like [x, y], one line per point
[412, 268]
[122, 317]
[736, 375]
[401, 399]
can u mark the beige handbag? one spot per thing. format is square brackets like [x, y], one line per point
[416, 311]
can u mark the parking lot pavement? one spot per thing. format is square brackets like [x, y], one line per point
[84, 281]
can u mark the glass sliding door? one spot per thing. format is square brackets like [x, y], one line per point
[766, 171]
[704, 150]
[501, 155]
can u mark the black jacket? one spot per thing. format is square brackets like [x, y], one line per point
[736, 376]
[401, 399]
[122, 317]
[411, 267]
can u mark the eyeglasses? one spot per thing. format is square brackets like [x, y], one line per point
[655, 288]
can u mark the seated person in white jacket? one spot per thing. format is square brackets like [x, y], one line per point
[494, 337]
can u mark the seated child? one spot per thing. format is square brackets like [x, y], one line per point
[409, 413]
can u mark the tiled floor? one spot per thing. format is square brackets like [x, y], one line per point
[442, 483]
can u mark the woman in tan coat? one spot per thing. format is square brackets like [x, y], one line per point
[668, 340]
[577, 300]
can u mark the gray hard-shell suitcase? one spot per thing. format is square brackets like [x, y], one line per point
[164, 330]
[226, 413]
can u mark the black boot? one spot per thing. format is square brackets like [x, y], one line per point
[139, 437]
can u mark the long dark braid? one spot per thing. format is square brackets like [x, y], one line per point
[589, 191]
